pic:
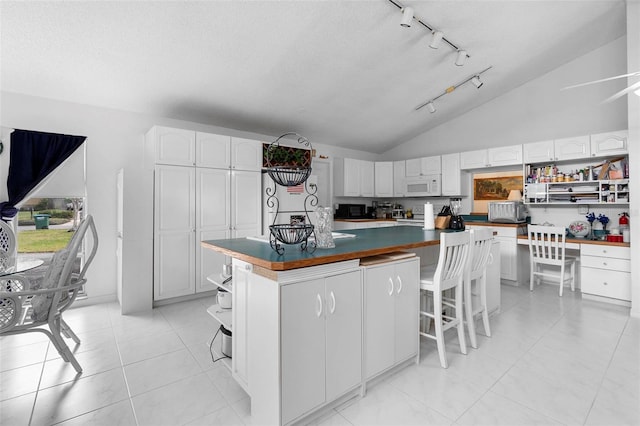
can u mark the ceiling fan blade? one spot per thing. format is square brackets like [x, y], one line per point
[602, 80]
[621, 93]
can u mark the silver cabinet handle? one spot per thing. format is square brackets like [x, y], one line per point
[332, 309]
[318, 305]
[391, 287]
[399, 284]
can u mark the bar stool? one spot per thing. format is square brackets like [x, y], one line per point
[448, 274]
[479, 258]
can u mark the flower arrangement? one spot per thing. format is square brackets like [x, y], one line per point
[603, 219]
[591, 217]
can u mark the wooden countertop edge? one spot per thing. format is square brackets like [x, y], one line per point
[502, 225]
[302, 263]
[583, 241]
[364, 220]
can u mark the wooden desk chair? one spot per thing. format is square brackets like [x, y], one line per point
[448, 274]
[547, 247]
[24, 308]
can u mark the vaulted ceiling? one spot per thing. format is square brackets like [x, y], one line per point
[339, 72]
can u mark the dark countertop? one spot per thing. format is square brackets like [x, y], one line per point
[367, 242]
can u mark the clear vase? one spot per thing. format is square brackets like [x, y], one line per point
[324, 226]
[591, 236]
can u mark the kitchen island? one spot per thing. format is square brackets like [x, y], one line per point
[312, 328]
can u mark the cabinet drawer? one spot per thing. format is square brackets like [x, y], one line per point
[502, 231]
[602, 282]
[605, 251]
[622, 265]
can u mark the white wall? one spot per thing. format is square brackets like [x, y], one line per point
[115, 140]
[537, 110]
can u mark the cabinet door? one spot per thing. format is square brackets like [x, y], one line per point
[213, 221]
[610, 143]
[572, 148]
[413, 167]
[384, 178]
[213, 150]
[398, 178]
[379, 307]
[174, 146]
[431, 165]
[505, 156]
[508, 258]
[451, 175]
[351, 177]
[246, 213]
[174, 233]
[366, 179]
[302, 340]
[473, 159]
[343, 295]
[407, 295]
[538, 152]
[246, 154]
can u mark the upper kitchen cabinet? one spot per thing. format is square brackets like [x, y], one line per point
[246, 154]
[610, 143]
[572, 148]
[384, 173]
[353, 178]
[453, 183]
[538, 152]
[423, 166]
[493, 157]
[166, 145]
[213, 150]
[398, 178]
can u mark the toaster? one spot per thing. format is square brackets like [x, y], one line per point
[507, 212]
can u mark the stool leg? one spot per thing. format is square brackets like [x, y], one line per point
[468, 307]
[532, 267]
[437, 310]
[561, 278]
[460, 318]
[573, 276]
[483, 301]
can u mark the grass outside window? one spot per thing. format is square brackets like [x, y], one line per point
[43, 240]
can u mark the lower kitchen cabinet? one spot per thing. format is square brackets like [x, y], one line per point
[391, 297]
[606, 272]
[514, 263]
[321, 335]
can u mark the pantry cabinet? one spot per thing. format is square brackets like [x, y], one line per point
[391, 314]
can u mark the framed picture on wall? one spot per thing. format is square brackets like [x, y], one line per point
[496, 188]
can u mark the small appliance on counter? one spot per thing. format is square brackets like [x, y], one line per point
[456, 222]
[351, 211]
[398, 212]
[507, 212]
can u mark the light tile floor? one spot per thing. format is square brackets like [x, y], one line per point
[550, 361]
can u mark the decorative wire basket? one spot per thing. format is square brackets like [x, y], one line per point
[291, 234]
[289, 176]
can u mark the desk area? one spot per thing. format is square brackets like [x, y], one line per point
[605, 269]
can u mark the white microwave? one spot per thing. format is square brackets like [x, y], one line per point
[423, 186]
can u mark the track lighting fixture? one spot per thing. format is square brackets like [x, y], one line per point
[462, 57]
[436, 40]
[407, 17]
[436, 35]
[475, 79]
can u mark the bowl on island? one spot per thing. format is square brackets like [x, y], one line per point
[579, 228]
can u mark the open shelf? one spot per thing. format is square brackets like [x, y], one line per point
[217, 352]
[222, 315]
[578, 192]
[218, 280]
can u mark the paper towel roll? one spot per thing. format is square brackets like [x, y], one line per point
[429, 219]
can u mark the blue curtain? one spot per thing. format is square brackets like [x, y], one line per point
[33, 156]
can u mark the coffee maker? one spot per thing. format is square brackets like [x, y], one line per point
[456, 222]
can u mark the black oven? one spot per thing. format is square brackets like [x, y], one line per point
[351, 211]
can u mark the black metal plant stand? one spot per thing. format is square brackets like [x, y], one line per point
[286, 176]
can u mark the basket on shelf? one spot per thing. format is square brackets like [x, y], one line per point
[291, 234]
[288, 166]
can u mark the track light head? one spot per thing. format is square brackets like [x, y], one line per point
[462, 57]
[436, 39]
[431, 107]
[407, 17]
[476, 81]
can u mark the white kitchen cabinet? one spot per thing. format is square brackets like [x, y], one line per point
[609, 143]
[366, 178]
[246, 154]
[514, 266]
[321, 328]
[384, 175]
[423, 166]
[538, 152]
[399, 170]
[174, 232]
[572, 148]
[453, 179]
[172, 146]
[492, 157]
[213, 150]
[606, 272]
[391, 314]
[353, 177]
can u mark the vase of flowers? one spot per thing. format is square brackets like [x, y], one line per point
[591, 217]
[604, 220]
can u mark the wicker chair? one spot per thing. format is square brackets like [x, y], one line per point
[7, 247]
[27, 307]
